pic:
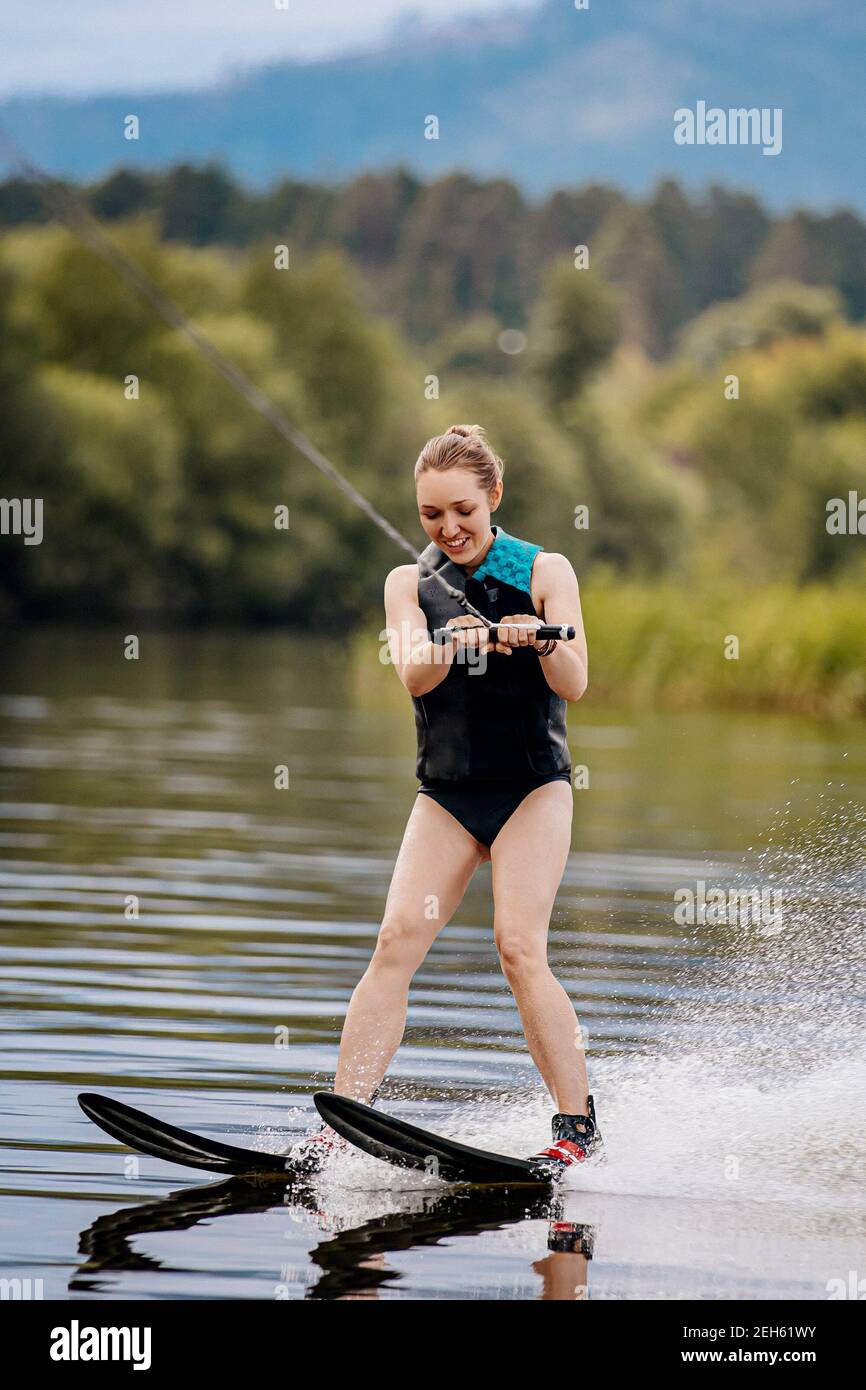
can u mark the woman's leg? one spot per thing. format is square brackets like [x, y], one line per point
[528, 858]
[436, 861]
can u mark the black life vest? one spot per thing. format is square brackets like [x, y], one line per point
[504, 722]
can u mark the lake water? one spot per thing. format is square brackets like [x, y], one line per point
[727, 1060]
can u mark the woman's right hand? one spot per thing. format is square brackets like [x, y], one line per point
[468, 632]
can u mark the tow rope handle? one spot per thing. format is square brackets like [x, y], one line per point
[559, 632]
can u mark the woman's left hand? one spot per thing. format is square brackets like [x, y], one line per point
[509, 637]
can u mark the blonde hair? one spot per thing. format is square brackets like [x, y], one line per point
[462, 446]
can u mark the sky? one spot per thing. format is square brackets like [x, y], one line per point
[91, 46]
[559, 98]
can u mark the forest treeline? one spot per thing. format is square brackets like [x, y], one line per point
[438, 253]
[700, 479]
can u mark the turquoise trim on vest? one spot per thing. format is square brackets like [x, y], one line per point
[509, 559]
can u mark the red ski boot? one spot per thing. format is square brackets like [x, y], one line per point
[576, 1138]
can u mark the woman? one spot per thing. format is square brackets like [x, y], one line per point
[495, 781]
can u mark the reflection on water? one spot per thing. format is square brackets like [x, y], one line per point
[177, 932]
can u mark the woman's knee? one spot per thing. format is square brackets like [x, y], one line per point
[398, 945]
[519, 955]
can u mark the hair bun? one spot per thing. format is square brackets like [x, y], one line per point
[466, 430]
[462, 446]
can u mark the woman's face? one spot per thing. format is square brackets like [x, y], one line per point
[455, 511]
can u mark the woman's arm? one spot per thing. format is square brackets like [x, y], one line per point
[420, 663]
[556, 595]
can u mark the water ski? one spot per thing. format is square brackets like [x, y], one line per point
[409, 1146]
[151, 1136]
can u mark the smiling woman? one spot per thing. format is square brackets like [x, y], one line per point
[495, 775]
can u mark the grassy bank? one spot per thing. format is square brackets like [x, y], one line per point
[800, 648]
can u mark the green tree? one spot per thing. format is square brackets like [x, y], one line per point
[633, 257]
[575, 331]
[199, 206]
[109, 485]
[782, 309]
[464, 250]
[123, 194]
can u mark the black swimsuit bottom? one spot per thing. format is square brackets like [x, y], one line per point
[483, 807]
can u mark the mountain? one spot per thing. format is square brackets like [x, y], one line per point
[556, 96]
